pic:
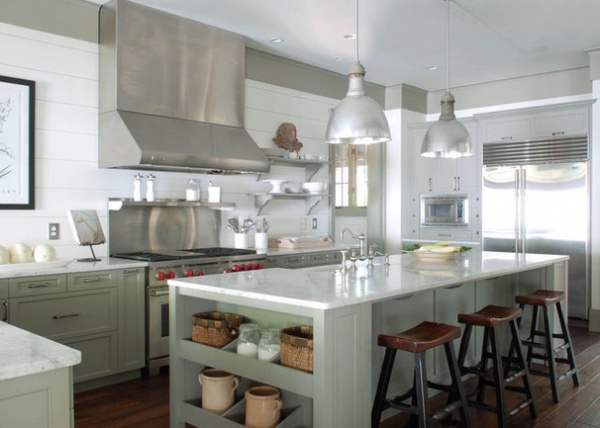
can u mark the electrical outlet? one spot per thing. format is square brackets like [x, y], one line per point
[53, 231]
[303, 223]
[314, 223]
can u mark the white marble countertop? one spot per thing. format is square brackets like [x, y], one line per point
[23, 353]
[325, 287]
[62, 266]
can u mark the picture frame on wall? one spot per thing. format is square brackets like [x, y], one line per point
[17, 143]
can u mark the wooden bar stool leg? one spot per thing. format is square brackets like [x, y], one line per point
[498, 380]
[485, 354]
[421, 384]
[464, 345]
[566, 336]
[550, 354]
[382, 386]
[532, 335]
[527, 377]
[458, 389]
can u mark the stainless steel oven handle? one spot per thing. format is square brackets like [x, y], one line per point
[160, 292]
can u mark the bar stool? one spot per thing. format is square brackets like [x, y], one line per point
[543, 299]
[489, 318]
[418, 340]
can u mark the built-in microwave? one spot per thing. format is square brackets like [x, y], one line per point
[444, 210]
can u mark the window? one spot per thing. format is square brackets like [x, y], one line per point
[351, 178]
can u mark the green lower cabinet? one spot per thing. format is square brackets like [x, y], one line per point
[100, 313]
[98, 355]
[132, 331]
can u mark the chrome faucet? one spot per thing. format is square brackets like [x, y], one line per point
[362, 251]
[361, 240]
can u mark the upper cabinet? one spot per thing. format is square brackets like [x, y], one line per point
[543, 122]
[443, 175]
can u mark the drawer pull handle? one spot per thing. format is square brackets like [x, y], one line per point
[57, 317]
[45, 285]
[126, 272]
[157, 293]
[87, 281]
[452, 287]
[410, 296]
[5, 304]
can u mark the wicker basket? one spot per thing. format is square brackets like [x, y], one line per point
[297, 348]
[215, 328]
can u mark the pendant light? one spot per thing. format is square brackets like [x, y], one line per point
[447, 138]
[357, 119]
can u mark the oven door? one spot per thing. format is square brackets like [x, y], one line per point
[158, 322]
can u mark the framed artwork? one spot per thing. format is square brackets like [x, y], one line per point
[17, 143]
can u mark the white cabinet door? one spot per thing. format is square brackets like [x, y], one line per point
[506, 128]
[421, 168]
[562, 123]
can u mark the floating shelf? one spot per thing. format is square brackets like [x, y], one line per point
[312, 199]
[117, 204]
[311, 167]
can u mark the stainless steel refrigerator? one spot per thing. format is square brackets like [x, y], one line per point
[535, 199]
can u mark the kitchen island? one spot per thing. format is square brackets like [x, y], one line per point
[346, 310]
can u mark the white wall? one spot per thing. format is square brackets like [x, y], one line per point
[66, 132]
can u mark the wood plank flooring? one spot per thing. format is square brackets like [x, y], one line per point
[145, 402]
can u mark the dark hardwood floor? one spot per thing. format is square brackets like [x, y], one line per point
[145, 402]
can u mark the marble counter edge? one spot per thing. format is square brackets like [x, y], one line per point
[24, 353]
[76, 267]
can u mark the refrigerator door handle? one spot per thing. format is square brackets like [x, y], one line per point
[523, 216]
[517, 203]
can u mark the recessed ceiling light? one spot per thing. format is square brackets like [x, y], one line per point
[350, 36]
[276, 40]
[432, 67]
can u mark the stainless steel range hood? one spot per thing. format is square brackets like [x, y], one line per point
[171, 94]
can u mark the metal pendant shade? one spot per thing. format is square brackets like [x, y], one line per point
[357, 119]
[447, 138]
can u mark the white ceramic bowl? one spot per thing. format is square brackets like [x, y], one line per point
[316, 187]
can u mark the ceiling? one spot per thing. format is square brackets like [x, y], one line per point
[400, 39]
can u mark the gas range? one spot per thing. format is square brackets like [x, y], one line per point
[169, 264]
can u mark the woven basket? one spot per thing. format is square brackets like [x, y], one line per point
[297, 348]
[215, 328]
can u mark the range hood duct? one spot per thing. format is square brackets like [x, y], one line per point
[171, 94]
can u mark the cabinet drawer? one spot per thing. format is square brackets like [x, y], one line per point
[91, 280]
[446, 235]
[37, 285]
[58, 317]
[319, 259]
[98, 355]
[3, 288]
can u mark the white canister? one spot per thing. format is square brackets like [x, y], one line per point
[261, 240]
[240, 240]
[214, 194]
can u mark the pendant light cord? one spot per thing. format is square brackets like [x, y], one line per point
[448, 46]
[356, 26]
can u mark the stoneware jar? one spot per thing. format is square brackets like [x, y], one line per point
[218, 390]
[263, 407]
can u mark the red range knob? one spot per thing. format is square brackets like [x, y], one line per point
[237, 268]
[171, 275]
[227, 271]
[161, 276]
[251, 266]
[259, 266]
[244, 267]
[200, 273]
[189, 273]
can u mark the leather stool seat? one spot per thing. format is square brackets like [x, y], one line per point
[417, 340]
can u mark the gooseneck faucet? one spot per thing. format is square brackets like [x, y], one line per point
[362, 251]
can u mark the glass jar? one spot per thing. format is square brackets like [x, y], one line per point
[248, 340]
[192, 190]
[269, 345]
